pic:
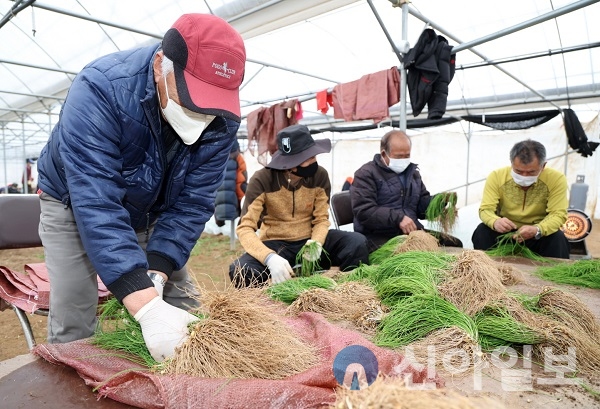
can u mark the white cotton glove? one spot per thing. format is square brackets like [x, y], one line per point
[164, 327]
[280, 268]
[156, 280]
[312, 256]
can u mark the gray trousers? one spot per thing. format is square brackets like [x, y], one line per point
[73, 285]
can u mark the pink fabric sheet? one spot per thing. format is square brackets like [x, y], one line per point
[119, 379]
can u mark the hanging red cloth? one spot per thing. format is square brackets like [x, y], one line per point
[324, 101]
[368, 97]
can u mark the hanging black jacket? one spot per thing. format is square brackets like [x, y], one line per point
[430, 68]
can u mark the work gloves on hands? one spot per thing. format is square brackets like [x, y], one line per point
[164, 327]
[312, 255]
[279, 267]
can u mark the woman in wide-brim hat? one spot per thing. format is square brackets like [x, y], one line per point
[288, 204]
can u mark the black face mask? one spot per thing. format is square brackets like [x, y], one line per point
[306, 171]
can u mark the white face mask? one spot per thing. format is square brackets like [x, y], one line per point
[188, 124]
[399, 165]
[523, 180]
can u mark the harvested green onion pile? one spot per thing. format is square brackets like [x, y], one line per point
[441, 211]
[584, 273]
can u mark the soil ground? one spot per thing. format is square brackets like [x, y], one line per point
[209, 266]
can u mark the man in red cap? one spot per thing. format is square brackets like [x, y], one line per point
[289, 202]
[128, 178]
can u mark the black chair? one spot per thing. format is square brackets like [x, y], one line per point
[19, 218]
[341, 208]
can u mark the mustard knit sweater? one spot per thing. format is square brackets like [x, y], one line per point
[543, 204]
[283, 212]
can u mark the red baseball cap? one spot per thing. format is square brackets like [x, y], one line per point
[209, 57]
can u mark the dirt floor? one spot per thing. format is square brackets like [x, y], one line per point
[209, 265]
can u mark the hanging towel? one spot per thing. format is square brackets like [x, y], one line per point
[368, 97]
[264, 123]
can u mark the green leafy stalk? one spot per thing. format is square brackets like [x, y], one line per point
[441, 211]
[117, 330]
[584, 273]
[414, 317]
[290, 290]
[497, 322]
[308, 258]
[506, 246]
[386, 250]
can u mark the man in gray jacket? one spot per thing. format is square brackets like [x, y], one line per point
[128, 178]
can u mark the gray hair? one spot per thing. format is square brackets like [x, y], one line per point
[385, 140]
[527, 150]
[166, 66]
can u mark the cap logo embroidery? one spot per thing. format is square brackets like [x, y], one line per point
[286, 145]
[227, 72]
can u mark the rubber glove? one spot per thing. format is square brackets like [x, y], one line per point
[312, 256]
[164, 327]
[279, 267]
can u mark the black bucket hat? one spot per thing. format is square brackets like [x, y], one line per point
[295, 145]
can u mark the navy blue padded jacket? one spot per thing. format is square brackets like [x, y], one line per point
[105, 159]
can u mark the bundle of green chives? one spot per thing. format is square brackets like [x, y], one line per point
[489, 343]
[497, 322]
[584, 273]
[414, 317]
[117, 330]
[529, 302]
[386, 250]
[308, 258]
[419, 263]
[441, 211]
[506, 246]
[290, 290]
[361, 273]
[391, 289]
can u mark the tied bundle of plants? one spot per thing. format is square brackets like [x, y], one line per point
[118, 331]
[414, 263]
[415, 317]
[498, 327]
[290, 290]
[441, 212]
[584, 273]
[308, 258]
[506, 246]
[472, 282]
[244, 335]
[418, 240]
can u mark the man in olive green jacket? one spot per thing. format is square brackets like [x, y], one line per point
[527, 198]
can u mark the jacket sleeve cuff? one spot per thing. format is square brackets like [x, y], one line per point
[160, 263]
[129, 283]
